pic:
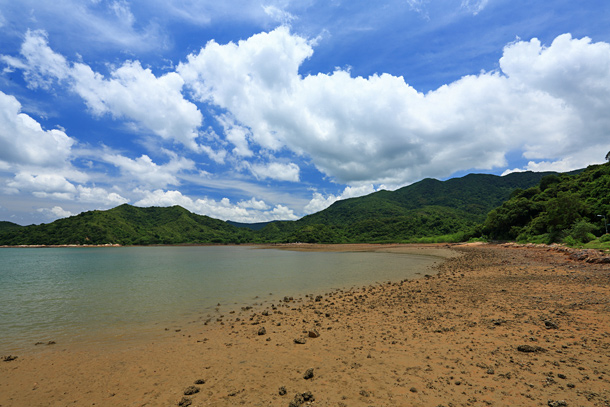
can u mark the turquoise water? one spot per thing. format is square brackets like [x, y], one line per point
[72, 294]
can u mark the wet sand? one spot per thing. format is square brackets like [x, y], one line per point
[494, 326]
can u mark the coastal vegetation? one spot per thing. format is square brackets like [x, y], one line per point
[526, 207]
[566, 208]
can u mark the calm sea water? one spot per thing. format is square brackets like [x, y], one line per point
[72, 294]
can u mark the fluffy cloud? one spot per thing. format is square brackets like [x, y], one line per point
[99, 196]
[320, 202]
[136, 94]
[57, 186]
[44, 185]
[145, 172]
[132, 92]
[547, 103]
[244, 211]
[55, 212]
[24, 142]
[276, 171]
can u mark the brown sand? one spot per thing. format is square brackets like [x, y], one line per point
[451, 339]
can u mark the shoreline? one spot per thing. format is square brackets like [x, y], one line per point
[451, 337]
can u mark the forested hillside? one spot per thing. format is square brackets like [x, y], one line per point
[563, 207]
[129, 225]
[523, 206]
[426, 210]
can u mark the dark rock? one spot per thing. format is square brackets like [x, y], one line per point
[313, 333]
[282, 391]
[200, 381]
[308, 396]
[297, 401]
[262, 331]
[308, 374]
[8, 358]
[184, 402]
[413, 390]
[550, 325]
[191, 390]
[530, 349]
[558, 403]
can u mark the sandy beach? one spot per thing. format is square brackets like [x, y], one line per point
[489, 326]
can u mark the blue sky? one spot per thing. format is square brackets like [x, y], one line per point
[256, 111]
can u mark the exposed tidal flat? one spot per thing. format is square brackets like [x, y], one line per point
[105, 294]
[494, 326]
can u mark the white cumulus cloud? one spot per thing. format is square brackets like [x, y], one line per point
[155, 104]
[146, 172]
[547, 102]
[244, 211]
[320, 202]
[23, 141]
[277, 171]
[55, 212]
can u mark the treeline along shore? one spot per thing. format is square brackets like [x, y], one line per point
[493, 325]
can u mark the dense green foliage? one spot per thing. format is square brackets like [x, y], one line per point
[8, 226]
[563, 207]
[427, 211]
[129, 225]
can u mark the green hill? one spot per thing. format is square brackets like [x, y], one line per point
[428, 208]
[563, 206]
[4, 225]
[129, 225]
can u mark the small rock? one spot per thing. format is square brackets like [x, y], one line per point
[558, 403]
[297, 401]
[530, 349]
[8, 358]
[191, 390]
[413, 390]
[308, 396]
[550, 325]
[200, 381]
[308, 374]
[282, 391]
[300, 341]
[184, 402]
[313, 334]
[491, 371]
[262, 331]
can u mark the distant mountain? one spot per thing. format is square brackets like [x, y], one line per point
[128, 225]
[8, 226]
[424, 209]
[444, 210]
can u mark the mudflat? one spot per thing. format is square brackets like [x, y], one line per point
[490, 326]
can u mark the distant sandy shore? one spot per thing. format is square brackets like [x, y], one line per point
[496, 326]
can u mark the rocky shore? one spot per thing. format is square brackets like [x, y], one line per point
[493, 326]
